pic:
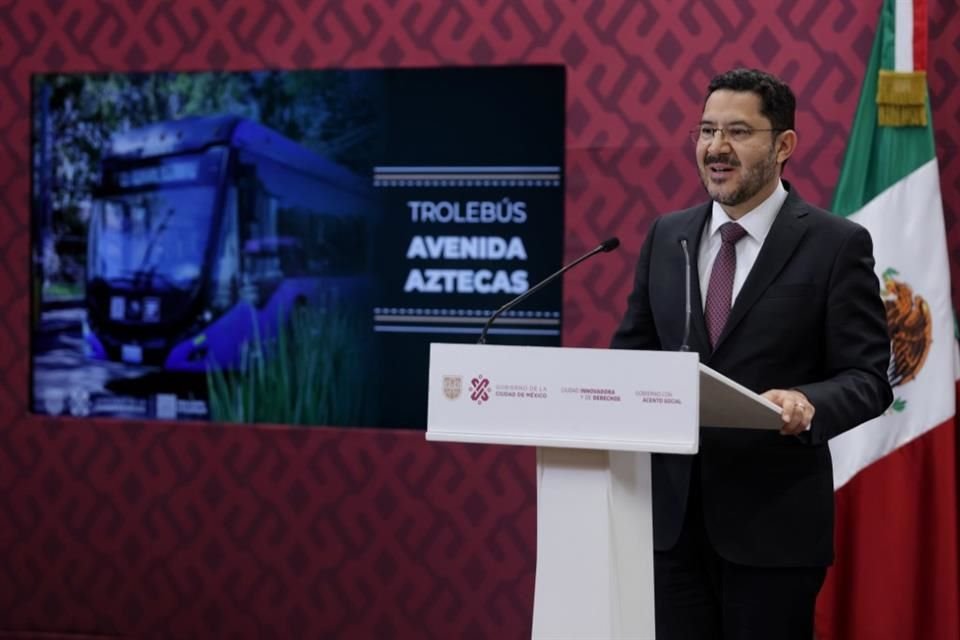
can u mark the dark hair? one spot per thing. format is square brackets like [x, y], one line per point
[777, 102]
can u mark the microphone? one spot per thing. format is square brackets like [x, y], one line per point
[687, 312]
[606, 246]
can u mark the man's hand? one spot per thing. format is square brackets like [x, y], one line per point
[797, 410]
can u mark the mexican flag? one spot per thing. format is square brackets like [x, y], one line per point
[896, 573]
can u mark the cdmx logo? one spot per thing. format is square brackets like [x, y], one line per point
[480, 389]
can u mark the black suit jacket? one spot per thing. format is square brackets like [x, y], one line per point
[808, 317]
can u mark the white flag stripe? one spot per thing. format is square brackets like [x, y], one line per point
[906, 224]
[903, 36]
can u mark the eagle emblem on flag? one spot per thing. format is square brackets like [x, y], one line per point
[911, 329]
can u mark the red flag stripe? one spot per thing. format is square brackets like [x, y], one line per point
[919, 35]
[896, 536]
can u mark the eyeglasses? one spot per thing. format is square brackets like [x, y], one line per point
[736, 133]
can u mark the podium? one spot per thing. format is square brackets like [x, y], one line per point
[595, 416]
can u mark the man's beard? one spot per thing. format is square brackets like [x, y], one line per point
[754, 180]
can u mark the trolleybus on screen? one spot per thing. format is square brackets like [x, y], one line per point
[206, 232]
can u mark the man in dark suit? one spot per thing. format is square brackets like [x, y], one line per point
[787, 304]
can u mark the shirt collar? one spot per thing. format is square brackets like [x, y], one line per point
[757, 221]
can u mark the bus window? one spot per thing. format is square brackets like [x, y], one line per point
[151, 238]
[316, 227]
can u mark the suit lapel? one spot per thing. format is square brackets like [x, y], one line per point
[785, 234]
[699, 341]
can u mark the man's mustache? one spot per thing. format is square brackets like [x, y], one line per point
[723, 158]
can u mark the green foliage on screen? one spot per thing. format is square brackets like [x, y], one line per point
[312, 373]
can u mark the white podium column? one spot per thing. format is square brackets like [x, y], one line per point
[594, 545]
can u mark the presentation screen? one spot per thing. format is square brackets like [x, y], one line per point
[282, 246]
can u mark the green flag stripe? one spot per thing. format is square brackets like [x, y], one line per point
[878, 157]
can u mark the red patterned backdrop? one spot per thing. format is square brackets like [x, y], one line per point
[153, 530]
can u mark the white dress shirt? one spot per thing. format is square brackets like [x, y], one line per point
[756, 223]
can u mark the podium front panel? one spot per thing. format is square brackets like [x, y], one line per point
[564, 397]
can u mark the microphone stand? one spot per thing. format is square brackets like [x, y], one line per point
[603, 247]
[687, 312]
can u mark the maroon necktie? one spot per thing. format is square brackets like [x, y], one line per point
[720, 289]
